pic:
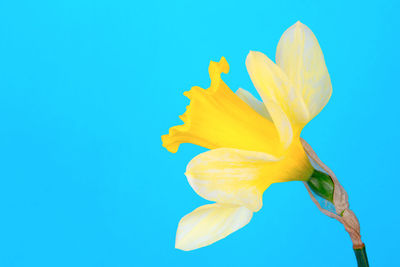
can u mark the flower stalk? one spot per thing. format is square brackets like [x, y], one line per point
[324, 184]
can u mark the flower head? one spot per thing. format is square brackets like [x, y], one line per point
[252, 143]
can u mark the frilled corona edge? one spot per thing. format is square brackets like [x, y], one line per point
[217, 117]
[181, 133]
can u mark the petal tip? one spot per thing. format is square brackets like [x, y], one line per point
[179, 245]
[251, 57]
[299, 26]
[239, 91]
[253, 53]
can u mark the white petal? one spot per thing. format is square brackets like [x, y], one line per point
[300, 57]
[274, 87]
[210, 223]
[281, 122]
[253, 102]
[234, 176]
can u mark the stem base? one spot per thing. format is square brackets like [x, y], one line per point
[361, 255]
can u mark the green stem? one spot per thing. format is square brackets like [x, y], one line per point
[361, 256]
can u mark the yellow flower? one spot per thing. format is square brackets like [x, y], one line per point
[252, 143]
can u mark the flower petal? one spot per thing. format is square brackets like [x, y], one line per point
[234, 176]
[300, 57]
[281, 120]
[210, 223]
[240, 177]
[217, 117]
[253, 102]
[274, 87]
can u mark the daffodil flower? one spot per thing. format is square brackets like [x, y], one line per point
[252, 143]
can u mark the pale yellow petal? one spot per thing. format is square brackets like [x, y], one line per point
[282, 123]
[253, 102]
[240, 177]
[281, 120]
[300, 57]
[274, 87]
[217, 117]
[210, 223]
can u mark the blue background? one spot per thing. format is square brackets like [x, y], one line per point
[88, 87]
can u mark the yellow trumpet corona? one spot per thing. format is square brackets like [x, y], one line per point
[252, 143]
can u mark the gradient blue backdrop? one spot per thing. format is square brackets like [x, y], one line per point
[88, 87]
